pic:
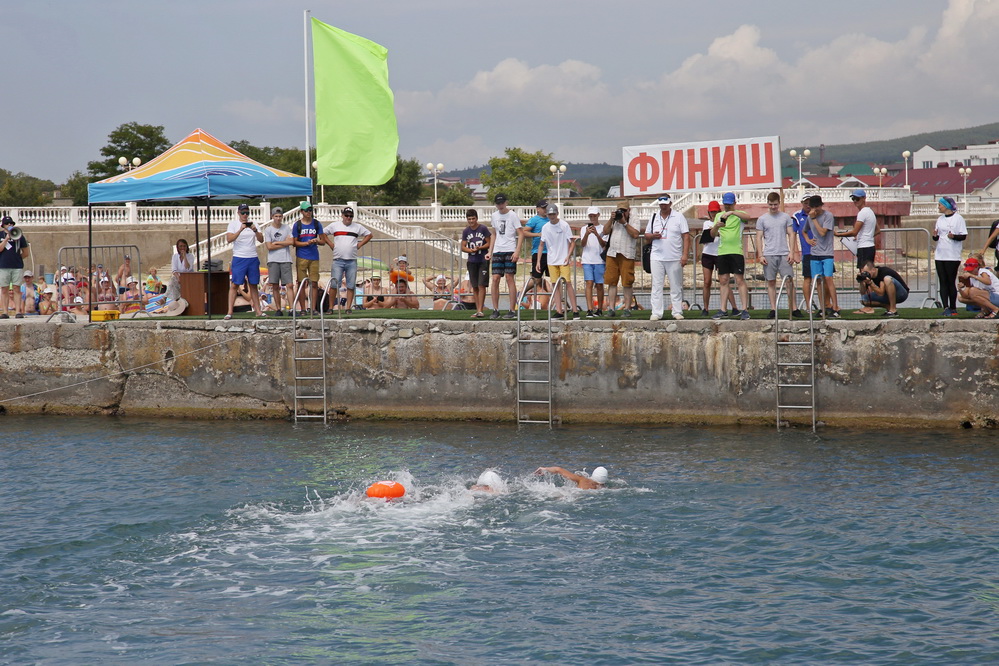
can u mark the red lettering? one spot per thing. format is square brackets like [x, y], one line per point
[756, 175]
[672, 171]
[723, 174]
[695, 168]
[643, 171]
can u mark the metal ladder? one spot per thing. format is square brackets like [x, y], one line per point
[534, 362]
[794, 374]
[309, 364]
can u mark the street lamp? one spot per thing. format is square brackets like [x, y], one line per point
[906, 155]
[804, 155]
[436, 170]
[126, 165]
[880, 173]
[557, 171]
[322, 188]
[965, 174]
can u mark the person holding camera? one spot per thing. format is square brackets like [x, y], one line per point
[880, 286]
[620, 263]
[979, 286]
[593, 242]
[13, 252]
[245, 263]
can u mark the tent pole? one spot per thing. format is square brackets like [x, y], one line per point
[208, 280]
[90, 260]
[197, 241]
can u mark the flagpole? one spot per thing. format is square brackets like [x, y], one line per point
[308, 157]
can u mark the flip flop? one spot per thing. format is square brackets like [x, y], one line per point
[227, 317]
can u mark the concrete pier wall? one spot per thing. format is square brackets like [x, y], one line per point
[905, 373]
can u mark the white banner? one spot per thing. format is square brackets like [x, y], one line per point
[736, 164]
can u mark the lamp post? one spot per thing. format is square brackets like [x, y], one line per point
[906, 155]
[435, 169]
[965, 174]
[800, 157]
[880, 172]
[128, 166]
[558, 171]
[322, 188]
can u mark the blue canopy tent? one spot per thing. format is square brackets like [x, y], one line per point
[200, 168]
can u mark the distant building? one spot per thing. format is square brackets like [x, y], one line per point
[984, 154]
[983, 181]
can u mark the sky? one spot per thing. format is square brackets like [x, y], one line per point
[577, 79]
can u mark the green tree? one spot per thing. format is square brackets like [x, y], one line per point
[291, 160]
[20, 189]
[129, 140]
[523, 177]
[405, 185]
[457, 195]
[76, 188]
[598, 189]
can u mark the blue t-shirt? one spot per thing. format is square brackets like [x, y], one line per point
[477, 238]
[535, 224]
[306, 232]
[800, 223]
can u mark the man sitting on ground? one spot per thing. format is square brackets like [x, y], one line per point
[880, 286]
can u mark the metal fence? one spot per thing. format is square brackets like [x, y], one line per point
[78, 288]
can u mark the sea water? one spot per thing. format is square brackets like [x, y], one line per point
[172, 542]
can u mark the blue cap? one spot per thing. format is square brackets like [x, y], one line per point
[858, 194]
[728, 198]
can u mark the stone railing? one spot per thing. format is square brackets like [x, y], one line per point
[983, 207]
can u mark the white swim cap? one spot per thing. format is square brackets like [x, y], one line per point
[491, 479]
[599, 475]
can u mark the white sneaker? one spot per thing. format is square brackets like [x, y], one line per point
[655, 318]
[678, 316]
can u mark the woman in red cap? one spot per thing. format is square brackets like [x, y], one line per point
[979, 286]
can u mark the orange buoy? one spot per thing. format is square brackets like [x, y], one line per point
[386, 489]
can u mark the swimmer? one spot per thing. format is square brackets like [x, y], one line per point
[596, 480]
[489, 482]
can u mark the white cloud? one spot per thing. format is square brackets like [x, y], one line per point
[278, 111]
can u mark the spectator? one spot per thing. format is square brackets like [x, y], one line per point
[132, 300]
[475, 241]
[405, 298]
[440, 287]
[821, 223]
[731, 260]
[47, 305]
[78, 306]
[153, 284]
[30, 294]
[12, 256]
[106, 296]
[593, 241]
[400, 271]
[348, 237]
[880, 286]
[709, 261]
[669, 234]
[123, 274]
[949, 234]
[621, 233]
[376, 296]
[278, 239]
[980, 287]
[308, 236]
[504, 248]
[801, 226]
[532, 229]
[557, 241]
[992, 242]
[180, 263]
[245, 263]
[68, 290]
[864, 229]
[777, 250]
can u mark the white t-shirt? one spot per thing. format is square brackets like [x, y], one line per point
[271, 235]
[670, 246]
[592, 248]
[712, 247]
[865, 237]
[774, 227]
[245, 245]
[345, 238]
[178, 266]
[947, 248]
[505, 225]
[992, 287]
[556, 237]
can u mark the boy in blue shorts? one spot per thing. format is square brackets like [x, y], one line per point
[822, 223]
[244, 237]
[593, 242]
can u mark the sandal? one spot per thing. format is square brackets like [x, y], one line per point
[992, 315]
[227, 317]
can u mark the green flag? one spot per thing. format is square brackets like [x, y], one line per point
[356, 135]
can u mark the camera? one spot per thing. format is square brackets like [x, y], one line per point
[863, 276]
[619, 215]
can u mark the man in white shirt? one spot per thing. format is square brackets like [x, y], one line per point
[278, 239]
[504, 249]
[244, 237]
[864, 229]
[670, 237]
[347, 238]
[557, 240]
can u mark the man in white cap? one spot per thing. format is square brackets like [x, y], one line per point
[595, 481]
[593, 242]
[669, 234]
[558, 243]
[864, 229]
[245, 267]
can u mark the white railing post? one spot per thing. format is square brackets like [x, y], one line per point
[133, 212]
[436, 212]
